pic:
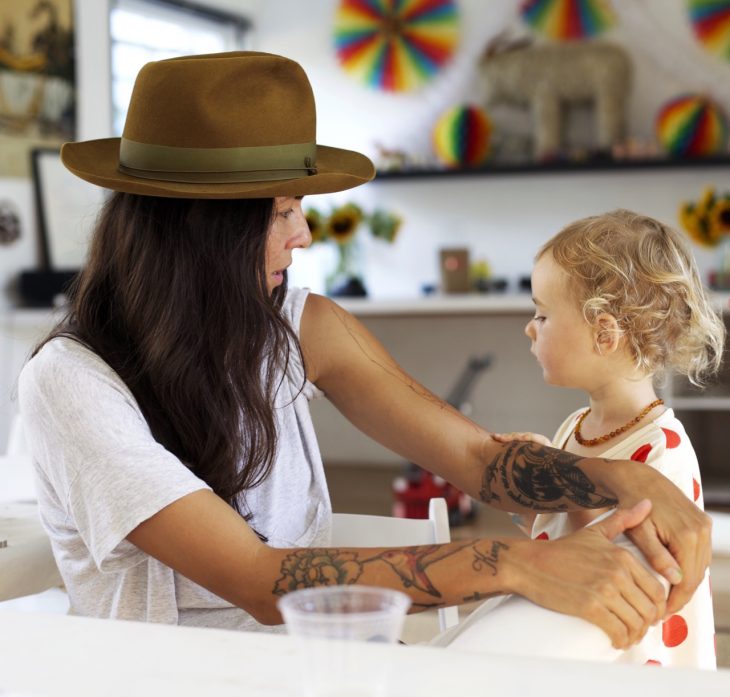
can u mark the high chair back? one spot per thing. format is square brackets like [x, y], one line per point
[355, 530]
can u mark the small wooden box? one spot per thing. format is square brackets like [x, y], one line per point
[454, 265]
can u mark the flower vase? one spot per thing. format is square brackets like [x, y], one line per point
[346, 278]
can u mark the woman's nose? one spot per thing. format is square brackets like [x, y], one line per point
[303, 237]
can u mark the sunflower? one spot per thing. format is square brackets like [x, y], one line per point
[695, 224]
[343, 223]
[316, 225]
[707, 201]
[720, 217]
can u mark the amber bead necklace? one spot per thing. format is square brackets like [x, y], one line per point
[602, 439]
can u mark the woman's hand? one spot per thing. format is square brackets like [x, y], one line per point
[587, 576]
[675, 538]
[523, 436]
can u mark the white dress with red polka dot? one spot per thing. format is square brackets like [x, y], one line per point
[687, 638]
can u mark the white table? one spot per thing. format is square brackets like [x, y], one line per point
[61, 656]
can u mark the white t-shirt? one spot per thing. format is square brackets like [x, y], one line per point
[100, 473]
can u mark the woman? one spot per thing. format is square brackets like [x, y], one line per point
[179, 477]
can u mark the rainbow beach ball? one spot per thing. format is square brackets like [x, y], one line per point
[692, 126]
[461, 136]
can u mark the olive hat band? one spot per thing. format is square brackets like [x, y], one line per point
[217, 165]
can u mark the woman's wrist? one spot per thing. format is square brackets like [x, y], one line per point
[517, 571]
[617, 479]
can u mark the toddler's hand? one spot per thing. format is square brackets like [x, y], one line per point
[522, 435]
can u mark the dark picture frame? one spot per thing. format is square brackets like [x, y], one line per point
[66, 210]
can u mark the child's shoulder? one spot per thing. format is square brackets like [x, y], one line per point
[665, 445]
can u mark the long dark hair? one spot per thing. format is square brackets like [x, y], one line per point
[174, 298]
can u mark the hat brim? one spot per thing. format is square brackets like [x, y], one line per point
[96, 161]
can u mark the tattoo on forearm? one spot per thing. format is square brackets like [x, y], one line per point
[306, 568]
[487, 493]
[411, 564]
[541, 478]
[476, 596]
[488, 559]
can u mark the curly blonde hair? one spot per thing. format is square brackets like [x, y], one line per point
[640, 271]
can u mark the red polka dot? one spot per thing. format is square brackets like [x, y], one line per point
[652, 662]
[696, 488]
[641, 453]
[674, 631]
[543, 536]
[672, 438]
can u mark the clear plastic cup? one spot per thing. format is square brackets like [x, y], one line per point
[330, 623]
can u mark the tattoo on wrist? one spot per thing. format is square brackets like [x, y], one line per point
[541, 478]
[488, 559]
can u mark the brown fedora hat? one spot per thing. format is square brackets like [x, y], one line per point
[222, 125]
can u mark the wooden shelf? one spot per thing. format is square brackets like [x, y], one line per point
[557, 167]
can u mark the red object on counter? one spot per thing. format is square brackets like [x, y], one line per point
[413, 491]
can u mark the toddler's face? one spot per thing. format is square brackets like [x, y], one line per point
[562, 341]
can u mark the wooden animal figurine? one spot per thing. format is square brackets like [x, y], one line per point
[548, 77]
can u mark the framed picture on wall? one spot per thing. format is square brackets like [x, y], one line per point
[37, 80]
[66, 207]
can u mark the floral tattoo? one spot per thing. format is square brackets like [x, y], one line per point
[305, 568]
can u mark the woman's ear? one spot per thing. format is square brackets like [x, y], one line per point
[606, 333]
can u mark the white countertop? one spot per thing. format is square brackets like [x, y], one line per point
[63, 656]
[457, 304]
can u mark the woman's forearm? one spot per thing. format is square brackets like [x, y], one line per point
[528, 476]
[432, 575]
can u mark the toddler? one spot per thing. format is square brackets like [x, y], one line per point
[618, 302]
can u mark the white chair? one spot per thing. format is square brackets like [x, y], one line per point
[354, 530]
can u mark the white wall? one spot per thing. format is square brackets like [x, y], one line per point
[503, 219]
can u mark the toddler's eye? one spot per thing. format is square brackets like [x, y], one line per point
[538, 318]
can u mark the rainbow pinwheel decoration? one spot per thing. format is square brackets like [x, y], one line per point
[395, 45]
[711, 23]
[692, 126]
[568, 20]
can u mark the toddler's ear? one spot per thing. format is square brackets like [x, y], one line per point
[607, 333]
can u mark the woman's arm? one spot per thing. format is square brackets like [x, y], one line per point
[364, 382]
[204, 539]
